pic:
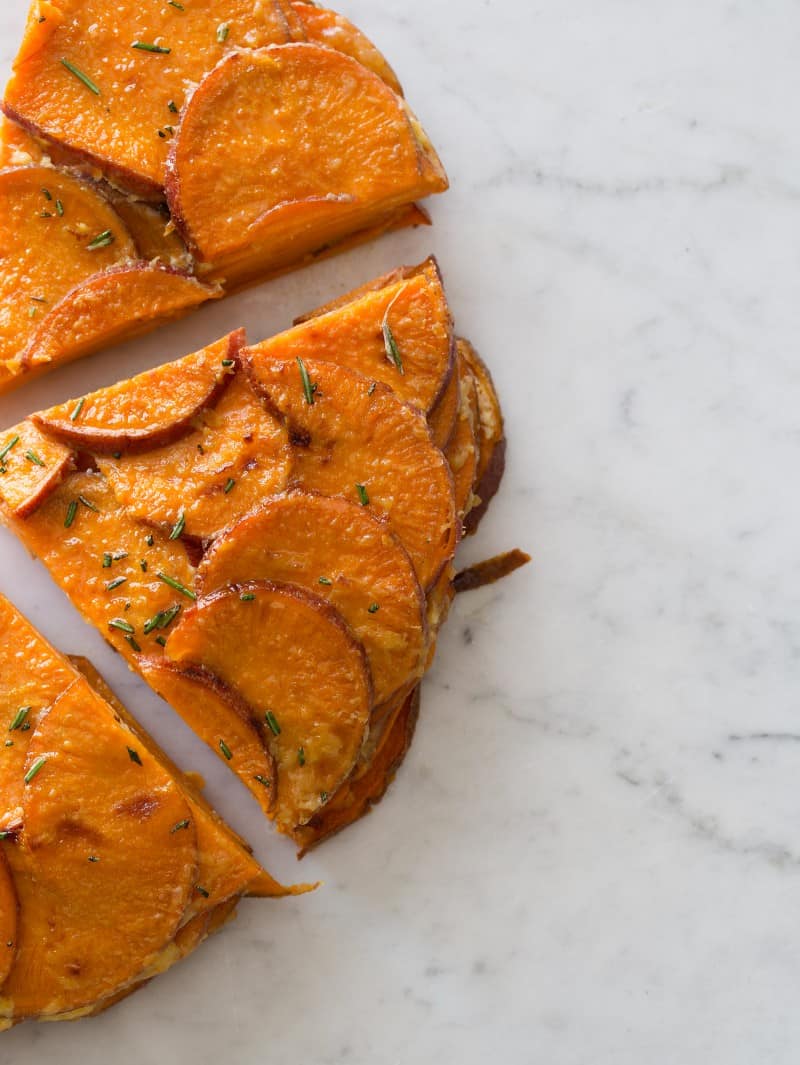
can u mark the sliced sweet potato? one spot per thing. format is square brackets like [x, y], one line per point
[356, 439]
[113, 306]
[50, 223]
[152, 231]
[150, 410]
[368, 782]
[237, 454]
[322, 26]
[80, 81]
[400, 335]
[32, 677]
[307, 183]
[103, 872]
[442, 419]
[98, 561]
[17, 146]
[225, 864]
[343, 553]
[491, 436]
[32, 466]
[8, 920]
[295, 662]
[218, 715]
[462, 449]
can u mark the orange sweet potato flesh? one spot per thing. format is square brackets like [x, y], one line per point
[357, 432]
[237, 454]
[326, 27]
[308, 183]
[87, 928]
[117, 129]
[442, 419]
[32, 467]
[147, 411]
[75, 558]
[150, 227]
[32, 677]
[48, 219]
[462, 449]
[491, 436]
[17, 146]
[340, 551]
[369, 781]
[8, 920]
[219, 717]
[295, 662]
[411, 313]
[112, 306]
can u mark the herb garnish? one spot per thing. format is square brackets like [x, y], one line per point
[202, 891]
[143, 565]
[123, 626]
[390, 345]
[134, 756]
[89, 505]
[177, 585]
[162, 620]
[180, 825]
[363, 495]
[323, 796]
[47, 194]
[37, 767]
[115, 583]
[72, 510]
[19, 718]
[93, 858]
[178, 527]
[31, 456]
[301, 756]
[225, 749]
[222, 32]
[229, 485]
[102, 240]
[87, 81]
[308, 388]
[263, 781]
[325, 580]
[247, 597]
[145, 46]
[149, 540]
[59, 208]
[76, 410]
[174, 3]
[173, 107]
[133, 644]
[272, 721]
[12, 443]
[374, 608]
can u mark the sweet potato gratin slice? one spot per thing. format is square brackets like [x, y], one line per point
[267, 535]
[112, 866]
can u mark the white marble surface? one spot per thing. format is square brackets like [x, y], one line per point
[593, 852]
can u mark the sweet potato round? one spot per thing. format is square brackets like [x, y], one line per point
[358, 440]
[32, 467]
[48, 220]
[295, 662]
[103, 872]
[341, 552]
[410, 313]
[322, 26]
[324, 146]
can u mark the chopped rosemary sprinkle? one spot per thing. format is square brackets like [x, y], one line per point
[134, 756]
[145, 46]
[90, 506]
[363, 495]
[47, 194]
[374, 608]
[174, 3]
[301, 756]
[87, 81]
[19, 718]
[31, 456]
[38, 299]
[229, 485]
[227, 363]
[149, 541]
[173, 107]
[143, 565]
[372, 388]
[202, 891]
[161, 134]
[390, 344]
[225, 749]
[123, 626]
[222, 32]
[6, 834]
[180, 825]
[59, 208]
[308, 388]
[106, 560]
[161, 641]
[178, 527]
[12, 443]
[116, 454]
[134, 645]
[272, 721]
[161, 620]
[36, 768]
[177, 585]
[325, 580]
[264, 781]
[76, 410]
[31, 312]
[9, 743]
[115, 583]
[93, 858]
[72, 510]
[323, 796]
[247, 597]
[102, 240]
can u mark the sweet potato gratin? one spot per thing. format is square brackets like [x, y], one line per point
[112, 865]
[267, 533]
[151, 160]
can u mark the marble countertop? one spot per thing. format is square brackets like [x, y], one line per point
[592, 854]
